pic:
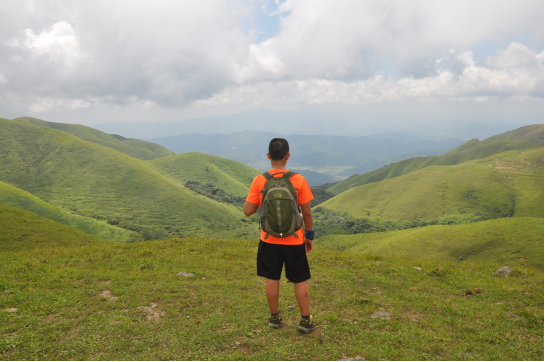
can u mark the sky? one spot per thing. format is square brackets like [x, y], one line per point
[92, 62]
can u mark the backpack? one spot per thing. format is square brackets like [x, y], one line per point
[280, 213]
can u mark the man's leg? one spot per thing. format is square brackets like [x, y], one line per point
[303, 297]
[273, 293]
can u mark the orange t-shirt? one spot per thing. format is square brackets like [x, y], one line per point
[304, 195]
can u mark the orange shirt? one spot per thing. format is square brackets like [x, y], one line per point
[304, 195]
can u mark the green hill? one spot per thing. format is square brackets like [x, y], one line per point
[506, 184]
[112, 301]
[523, 138]
[23, 230]
[99, 182]
[517, 242]
[133, 147]
[18, 198]
[234, 177]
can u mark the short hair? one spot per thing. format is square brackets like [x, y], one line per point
[278, 149]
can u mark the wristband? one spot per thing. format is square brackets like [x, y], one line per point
[309, 234]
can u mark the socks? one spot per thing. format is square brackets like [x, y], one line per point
[307, 318]
[277, 314]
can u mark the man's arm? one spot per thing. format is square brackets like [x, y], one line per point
[250, 208]
[309, 223]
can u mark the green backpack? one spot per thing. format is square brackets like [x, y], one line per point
[280, 214]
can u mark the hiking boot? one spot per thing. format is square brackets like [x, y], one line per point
[275, 322]
[305, 326]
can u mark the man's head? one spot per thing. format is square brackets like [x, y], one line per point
[278, 149]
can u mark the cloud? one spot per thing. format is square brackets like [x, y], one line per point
[65, 55]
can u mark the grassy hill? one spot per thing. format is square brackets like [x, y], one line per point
[96, 181]
[133, 147]
[18, 198]
[124, 302]
[234, 177]
[506, 184]
[23, 230]
[523, 138]
[517, 242]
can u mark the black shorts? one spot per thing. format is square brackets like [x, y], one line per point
[271, 257]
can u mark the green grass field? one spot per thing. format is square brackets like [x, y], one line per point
[523, 138]
[509, 241]
[15, 197]
[96, 181]
[89, 303]
[133, 147]
[505, 184]
[23, 230]
[234, 177]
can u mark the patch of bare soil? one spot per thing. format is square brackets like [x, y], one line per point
[104, 282]
[152, 312]
[107, 294]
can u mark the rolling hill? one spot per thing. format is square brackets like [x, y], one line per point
[136, 148]
[506, 184]
[520, 139]
[516, 241]
[98, 182]
[18, 198]
[234, 177]
[23, 230]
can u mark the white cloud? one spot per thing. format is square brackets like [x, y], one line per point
[79, 55]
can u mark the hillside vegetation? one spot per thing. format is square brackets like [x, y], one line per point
[125, 302]
[234, 177]
[23, 230]
[506, 184]
[523, 138]
[21, 199]
[96, 181]
[133, 147]
[508, 241]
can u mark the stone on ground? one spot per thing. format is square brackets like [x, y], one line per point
[504, 271]
[381, 314]
[185, 274]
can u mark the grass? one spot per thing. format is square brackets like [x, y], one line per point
[523, 138]
[516, 242]
[130, 146]
[15, 197]
[506, 184]
[98, 182]
[65, 311]
[23, 230]
[234, 177]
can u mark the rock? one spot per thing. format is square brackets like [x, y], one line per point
[504, 271]
[11, 310]
[152, 312]
[515, 316]
[381, 314]
[291, 307]
[107, 294]
[417, 268]
[354, 359]
[185, 274]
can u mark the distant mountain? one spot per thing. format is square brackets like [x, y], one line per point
[133, 147]
[328, 154]
[522, 138]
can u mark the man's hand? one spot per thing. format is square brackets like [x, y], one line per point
[308, 245]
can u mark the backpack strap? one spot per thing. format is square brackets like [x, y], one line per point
[267, 175]
[289, 174]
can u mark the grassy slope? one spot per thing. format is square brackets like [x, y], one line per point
[516, 242]
[136, 148]
[23, 230]
[519, 139]
[62, 316]
[234, 177]
[96, 181]
[15, 197]
[507, 184]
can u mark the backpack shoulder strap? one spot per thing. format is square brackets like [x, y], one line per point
[267, 175]
[289, 174]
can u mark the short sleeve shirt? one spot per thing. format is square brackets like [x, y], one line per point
[304, 195]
